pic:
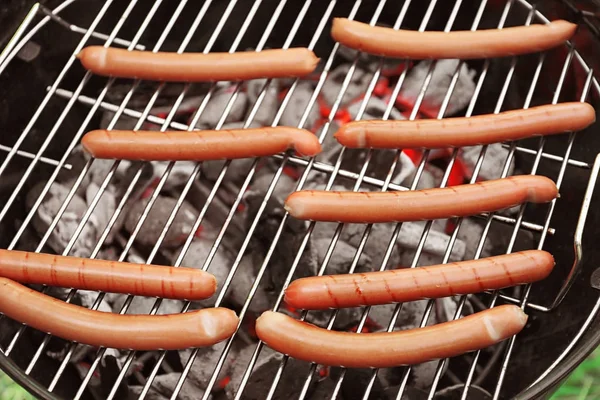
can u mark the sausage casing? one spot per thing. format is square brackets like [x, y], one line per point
[418, 205]
[96, 328]
[471, 131]
[308, 342]
[199, 145]
[410, 284]
[198, 67]
[487, 43]
[107, 276]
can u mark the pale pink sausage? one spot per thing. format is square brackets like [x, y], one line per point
[96, 328]
[487, 43]
[410, 284]
[463, 131]
[418, 205]
[198, 67]
[107, 276]
[308, 342]
[199, 145]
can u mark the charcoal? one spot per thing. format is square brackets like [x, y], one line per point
[270, 102]
[143, 305]
[109, 373]
[404, 170]
[493, 162]
[179, 175]
[470, 233]
[244, 279]
[204, 364]
[196, 256]
[356, 381]
[375, 110]
[436, 242]
[165, 384]
[104, 210]
[242, 360]
[330, 147]
[217, 104]
[124, 122]
[323, 390]
[155, 222]
[78, 158]
[66, 226]
[455, 393]
[346, 318]
[342, 257]
[297, 105]
[290, 384]
[410, 393]
[153, 394]
[377, 243]
[333, 85]
[500, 235]
[439, 84]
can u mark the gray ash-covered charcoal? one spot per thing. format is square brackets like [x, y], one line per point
[357, 86]
[455, 393]
[493, 162]
[243, 280]
[259, 383]
[410, 393]
[67, 225]
[355, 382]
[178, 176]
[153, 394]
[143, 305]
[216, 106]
[104, 209]
[155, 222]
[470, 233]
[292, 115]
[375, 110]
[342, 257]
[436, 242]
[220, 265]
[330, 148]
[270, 102]
[204, 364]
[346, 318]
[165, 385]
[377, 243]
[439, 84]
[323, 390]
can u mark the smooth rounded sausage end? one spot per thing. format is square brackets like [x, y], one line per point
[306, 143]
[216, 324]
[540, 189]
[310, 343]
[93, 143]
[93, 58]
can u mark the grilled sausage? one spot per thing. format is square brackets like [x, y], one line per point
[409, 284]
[107, 276]
[308, 342]
[198, 67]
[199, 145]
[418, 205]
[96, 328]
[463, 131]
[487, 43]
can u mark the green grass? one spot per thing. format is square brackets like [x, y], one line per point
[583, 384]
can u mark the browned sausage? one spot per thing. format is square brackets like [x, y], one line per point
[418, 205]
[409, 284]
[463, 131]
[107, 276]
[308, 342]
[96, 328]
[199, 145]
[465, 45]
[197, 67]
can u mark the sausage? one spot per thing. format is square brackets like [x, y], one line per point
[487, 43]
[471, 131]
[198, 67]
[199, 145]
[97, 328]
[308, 342]
[107, 276]
[418, 205]
[410, 284]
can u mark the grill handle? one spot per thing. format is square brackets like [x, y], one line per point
[577, 239]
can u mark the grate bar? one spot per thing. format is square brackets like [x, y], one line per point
[45, 160]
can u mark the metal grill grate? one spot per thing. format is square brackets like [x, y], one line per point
[333, 171]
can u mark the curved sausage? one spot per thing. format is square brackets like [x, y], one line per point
[198, 67]
[410, 284]
[107, 276]
[199, 145]
[308, 342]
[418, 205]
[96, 328]
[463, 131]
[487, 43]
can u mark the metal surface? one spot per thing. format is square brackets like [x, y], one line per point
[76, 97]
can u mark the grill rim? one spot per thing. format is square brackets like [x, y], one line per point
[3, 357]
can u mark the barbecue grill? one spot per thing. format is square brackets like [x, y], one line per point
[49, 102]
